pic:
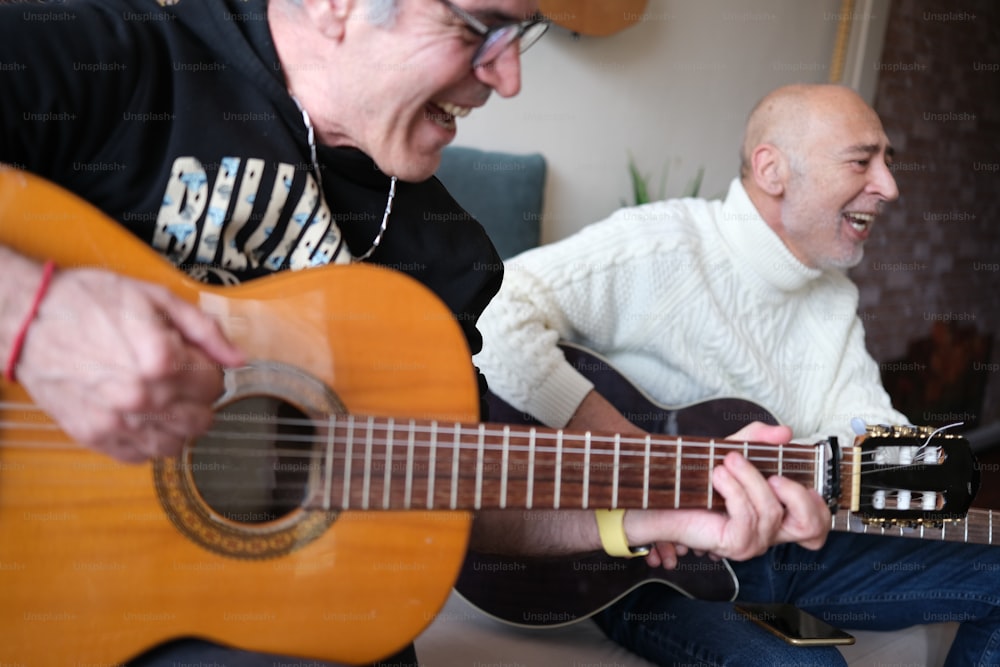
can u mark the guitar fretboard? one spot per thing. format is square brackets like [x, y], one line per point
[376, 463]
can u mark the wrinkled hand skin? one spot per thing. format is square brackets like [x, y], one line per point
[759, 512]
[123, 366]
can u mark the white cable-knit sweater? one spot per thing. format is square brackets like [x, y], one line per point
[690, 299]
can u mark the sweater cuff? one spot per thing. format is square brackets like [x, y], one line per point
[557, 400]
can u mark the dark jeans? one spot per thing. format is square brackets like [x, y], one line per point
[863, 582]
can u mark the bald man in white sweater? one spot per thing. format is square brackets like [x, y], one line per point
[747, 297]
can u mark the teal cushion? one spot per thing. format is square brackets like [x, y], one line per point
[503, 191]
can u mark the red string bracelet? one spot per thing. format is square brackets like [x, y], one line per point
[22, 333]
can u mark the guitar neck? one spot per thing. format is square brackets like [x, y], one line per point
[375, 463]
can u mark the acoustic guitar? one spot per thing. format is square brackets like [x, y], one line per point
[326, 512]
[924, 496]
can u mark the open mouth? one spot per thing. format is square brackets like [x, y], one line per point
[860, 222]
[445, 113]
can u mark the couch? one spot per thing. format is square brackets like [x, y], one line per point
[505, 192]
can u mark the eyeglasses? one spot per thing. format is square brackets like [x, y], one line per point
[496, 39]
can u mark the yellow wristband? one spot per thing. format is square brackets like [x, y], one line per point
[611, 528]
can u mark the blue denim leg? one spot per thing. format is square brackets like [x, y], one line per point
[855, 581]
[671, 630]
[886, 583]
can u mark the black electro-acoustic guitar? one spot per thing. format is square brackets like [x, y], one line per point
[928, 497]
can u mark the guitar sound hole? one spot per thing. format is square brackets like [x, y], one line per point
[254, 465]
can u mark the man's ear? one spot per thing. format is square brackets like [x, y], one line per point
[769, 169]
[329, 16]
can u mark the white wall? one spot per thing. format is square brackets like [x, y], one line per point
[673, 89]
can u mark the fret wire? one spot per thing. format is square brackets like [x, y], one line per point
[454, 466]
[408, 488]
[677, 475]
[479, 469]
[328, 495]
[558, 471]
[431, 465]
[819, 482]
[348, 458]
[531, 468]
[387, 479]
[504, 462]
[614, 469]
[647, 452]
[366, 483]
[708, 477]
[586, 472]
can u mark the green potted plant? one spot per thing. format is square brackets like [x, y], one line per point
[640, 183]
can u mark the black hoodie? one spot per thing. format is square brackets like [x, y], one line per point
[176, 122]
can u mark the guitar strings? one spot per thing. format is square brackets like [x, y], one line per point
[419, 469]
[367, 426]
[659, 461]
[974, 520]
[441, 429]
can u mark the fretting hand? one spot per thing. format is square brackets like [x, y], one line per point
[758, 513]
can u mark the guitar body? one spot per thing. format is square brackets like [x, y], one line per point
[714, 418]
[99, 561]
[555, 592]
[560, 591]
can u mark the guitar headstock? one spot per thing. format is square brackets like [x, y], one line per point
[913, 476]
